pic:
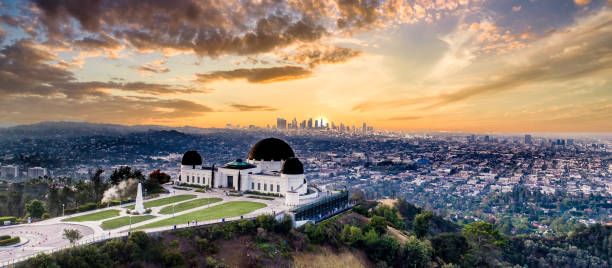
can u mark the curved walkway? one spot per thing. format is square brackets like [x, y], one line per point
[47, 235]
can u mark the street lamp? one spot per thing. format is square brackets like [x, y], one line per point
[172, 210]
[63, 205]
[130, 223]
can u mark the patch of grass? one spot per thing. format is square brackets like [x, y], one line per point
[165, 201]
[96, 216]
[123, 221]
[189, 205]
[226, 210]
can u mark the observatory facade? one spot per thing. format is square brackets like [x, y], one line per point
[271, 167]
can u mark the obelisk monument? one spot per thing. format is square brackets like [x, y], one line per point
[139, 207]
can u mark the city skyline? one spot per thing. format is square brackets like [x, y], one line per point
[455, 65]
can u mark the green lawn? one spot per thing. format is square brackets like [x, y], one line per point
[123, 221]
[225, 210]
[95, 216]
[165, 201]
[189, 205]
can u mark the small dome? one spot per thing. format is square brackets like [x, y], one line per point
[191, 158]
[292, 166]
[271, 149]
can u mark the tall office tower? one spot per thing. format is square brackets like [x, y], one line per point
[342, 127]
[310, 123]
[9, 172]
[281, 123]
[303, 124]
[486, 138]
[570, 141]
[294, 124]
[528, 139]
[364, 128]
[316, 124]
[36, 172]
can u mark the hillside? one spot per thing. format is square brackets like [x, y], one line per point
[348, 240]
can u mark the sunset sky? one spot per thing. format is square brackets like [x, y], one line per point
[457, 65]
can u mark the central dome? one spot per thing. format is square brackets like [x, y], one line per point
[191, 158]
[271, 149]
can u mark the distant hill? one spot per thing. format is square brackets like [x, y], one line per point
[49, 130]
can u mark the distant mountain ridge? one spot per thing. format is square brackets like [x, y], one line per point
[62, 129]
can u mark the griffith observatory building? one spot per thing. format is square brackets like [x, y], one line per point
[271, 167]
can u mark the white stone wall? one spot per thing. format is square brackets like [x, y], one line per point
[292, 199]
[193, 174]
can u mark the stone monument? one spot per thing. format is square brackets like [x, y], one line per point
[139, 207]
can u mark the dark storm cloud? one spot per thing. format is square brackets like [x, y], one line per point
[257, 75]
[25, 70]
[208, 28]
[101, 42]
[250, 108]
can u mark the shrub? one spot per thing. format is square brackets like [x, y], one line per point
[315, 233]
[87, 207]
[8, 218]
[206, 245]
[246, 226]
[10, 241]
[285, 225]
[265, 221]
[173, 258]
[46, 216]
[4, 237]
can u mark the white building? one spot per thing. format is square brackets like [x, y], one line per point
[36, 172]
[9, 172]
[271, 167]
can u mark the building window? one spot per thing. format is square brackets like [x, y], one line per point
[278, 188]
[198, 179]
[252, 185]
[258, 186]
[265, 187]
[271, 187]
[188, 178]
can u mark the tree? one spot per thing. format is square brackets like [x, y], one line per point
[351, 235]
[99, 185]
[449, 247]
[155, 180]
[53, 200]
[379, 224]
[73, 235]
[485, 241]
[125, 173]
[415, 253]
[421, 223]
[35, 208]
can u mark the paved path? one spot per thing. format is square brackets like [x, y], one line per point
[45, 236]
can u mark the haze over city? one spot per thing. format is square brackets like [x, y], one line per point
[458, 65]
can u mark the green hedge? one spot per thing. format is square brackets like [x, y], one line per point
[10, 241]
[8, 218]
[4, 237]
